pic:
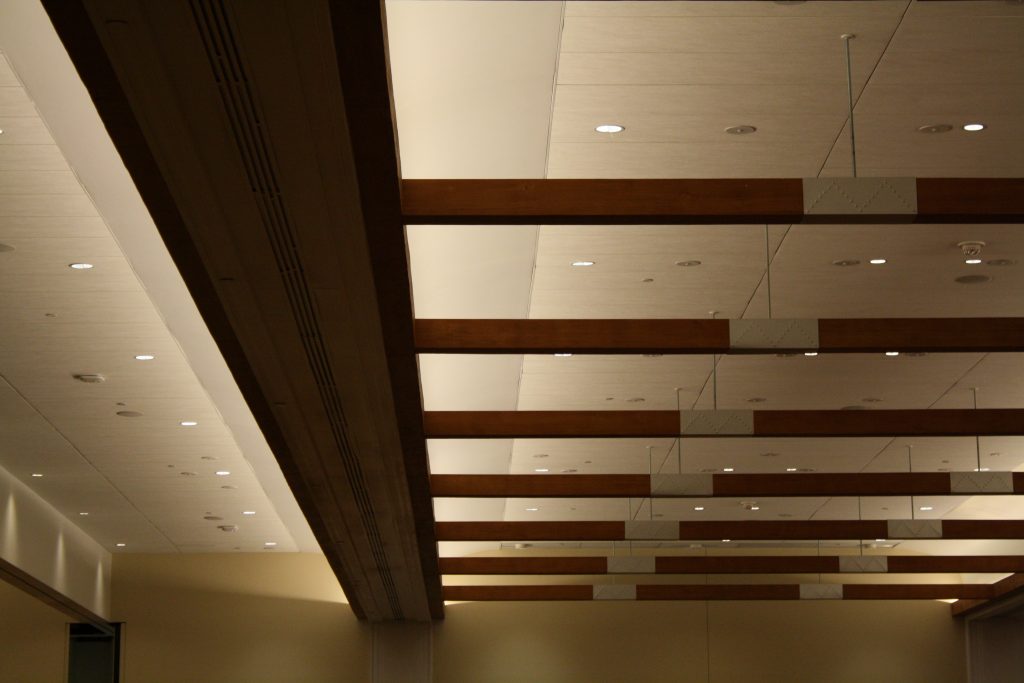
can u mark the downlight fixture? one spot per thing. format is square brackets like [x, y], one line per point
[610, 128]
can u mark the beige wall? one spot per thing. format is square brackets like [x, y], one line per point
[245, 618]
[281, 618]
[758, 642]
[32, 639]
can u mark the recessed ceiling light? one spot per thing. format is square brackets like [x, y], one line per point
[983, 469]
[811, 354]
[647, 279]
[687, 264]
[879, 540]
[187, 474]
[222, 473]
[972, 261]
[755, 508]
[935, 128]
[532, 509]
[80, 266]
[188, 423]
[542, 470]
[926, 508]
[229, 487]
[144, 356]
[120, 545]
[540, 455]
[892, 353]
[741, 130]
[249, 512]
[698, 508]
[791, 469]
[726, 540]
[877, 261]
[846, 262]
[570, 470]
[128, 413]
[974, 127]
[270, 544]
[769, 454]
[563, 355]
[636, 399]
[582, 264]
[36, 475]
[83, 514]
[728, 469]
[610, 128]
[972, 279]
[212, 518]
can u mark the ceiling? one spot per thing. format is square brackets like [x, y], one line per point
[524, 86]
[142, 482]
[514, 90]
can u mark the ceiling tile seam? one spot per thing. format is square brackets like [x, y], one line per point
[717, 359]
[821, 169]
[945, 393]
[867, 82]
[92, 465]
[537, 230]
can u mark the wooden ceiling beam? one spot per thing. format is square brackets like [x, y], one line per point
[724, 423]
[704, 336]
[260, 136]
[734, 564]
[708, 201]
[725, 485]
[789, 591]
[790, 530]
[1011, 586]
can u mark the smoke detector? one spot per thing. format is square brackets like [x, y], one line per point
[970, 248]
[90, 378]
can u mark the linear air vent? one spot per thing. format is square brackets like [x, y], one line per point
[245, 122]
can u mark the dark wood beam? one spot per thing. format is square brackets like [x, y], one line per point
[579, 202]
[361, 46]
[719, 530]
[697, 336]
[695, 201]
[666, 423]
[733, 564]
[724, 485]
[791, 591]
[261, 138]
[1010, 587]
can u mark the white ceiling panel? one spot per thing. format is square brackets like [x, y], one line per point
[739, 8]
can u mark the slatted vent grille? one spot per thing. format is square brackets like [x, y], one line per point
[244, 119]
